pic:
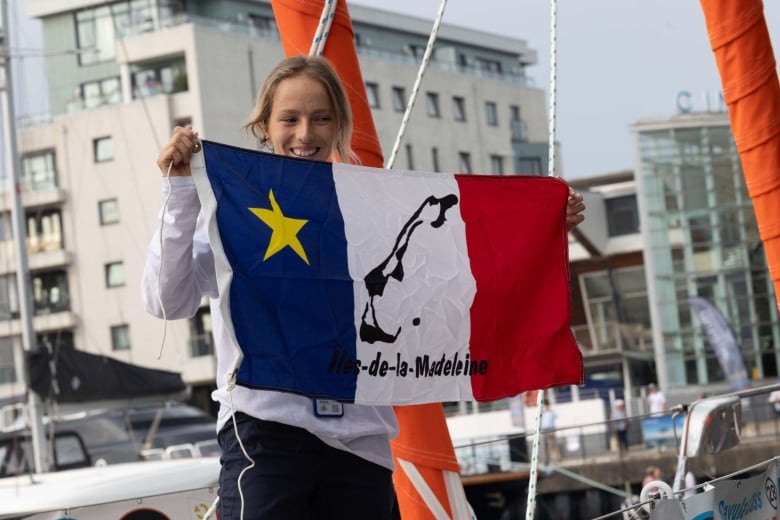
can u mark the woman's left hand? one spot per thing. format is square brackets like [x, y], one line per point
[574, 209]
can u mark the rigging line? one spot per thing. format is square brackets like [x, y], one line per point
[533, 473]
[416, 87]
[532, 477]
[553, 84]
[323, 28]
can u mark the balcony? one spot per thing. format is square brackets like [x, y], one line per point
[611, 337]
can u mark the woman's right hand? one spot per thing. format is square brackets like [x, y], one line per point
[177, 153]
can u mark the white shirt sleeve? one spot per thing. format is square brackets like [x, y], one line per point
[180, 270]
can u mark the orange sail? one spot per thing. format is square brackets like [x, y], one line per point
[743, 52]
[427, 478]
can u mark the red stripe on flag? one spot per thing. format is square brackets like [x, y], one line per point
[518, 251]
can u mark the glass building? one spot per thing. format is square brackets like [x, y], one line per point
[700, 238]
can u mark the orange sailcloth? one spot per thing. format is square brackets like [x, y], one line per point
[427, 476]
[743, 52]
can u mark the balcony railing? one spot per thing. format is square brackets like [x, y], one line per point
[611, 336]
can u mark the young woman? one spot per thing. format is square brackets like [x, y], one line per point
[280, 458]
[297, 464]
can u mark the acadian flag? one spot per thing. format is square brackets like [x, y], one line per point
[389, 287]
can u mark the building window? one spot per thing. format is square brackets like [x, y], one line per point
[109, 211]
[529, 166]
[95, 33]
[103, 149]
[7, 367]
[98, 28]
[491, 113]
[201, 334]
[464, 162]
[9, 299]
[50, 292]
[432, 104]
[492, 66]
[6, 229]
[409, 158]
[103, 92]
[120, 337]
[435, 159]
[497, 164]
[164, 77]
[44, 231]
[39, 171]
[372, 93]
[115, 274]
[458, 108]
[622, 215]
[399, 99]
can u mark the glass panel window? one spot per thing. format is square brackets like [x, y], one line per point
[491, 113]
[163, 77]
[39, 171]
[115, 274]
[622, 215]
[409, 157]
[120, 337]
[497, 164]
[372, 94]
[103, 149]
[109, 211]
[399, 99]
[50, 292]
[44, 231]
[458, 108]
[7, 370]
[464, 162]
[96, 35]
[103, 92]
[435, 159]
[432, 104]
[9, 301]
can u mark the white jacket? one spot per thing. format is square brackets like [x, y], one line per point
[187, 275]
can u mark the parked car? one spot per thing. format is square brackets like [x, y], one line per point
[109, 436]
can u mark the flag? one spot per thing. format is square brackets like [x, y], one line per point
[723, 342]
[387, 287]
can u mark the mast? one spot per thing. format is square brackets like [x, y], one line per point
[23, 280]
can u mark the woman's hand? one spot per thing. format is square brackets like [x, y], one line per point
[574, 209]
[177, 153]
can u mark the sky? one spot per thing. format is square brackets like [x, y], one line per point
[618, 61]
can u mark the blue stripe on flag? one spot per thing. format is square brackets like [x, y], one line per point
[291, 318]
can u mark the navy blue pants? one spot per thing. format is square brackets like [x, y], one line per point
[297, 477]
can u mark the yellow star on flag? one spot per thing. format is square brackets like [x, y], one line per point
[284, 230]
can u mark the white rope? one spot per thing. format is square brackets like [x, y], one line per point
[323, 28]
[553, 83]
[416, 87]
[531, 503]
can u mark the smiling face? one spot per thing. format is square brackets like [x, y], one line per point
[302, 122]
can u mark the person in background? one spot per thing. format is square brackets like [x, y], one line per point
[656, 400]
[549, 416]
[620, 424]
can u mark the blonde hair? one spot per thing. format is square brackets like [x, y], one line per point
[319, 69]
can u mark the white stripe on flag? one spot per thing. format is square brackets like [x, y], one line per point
[430, 305]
